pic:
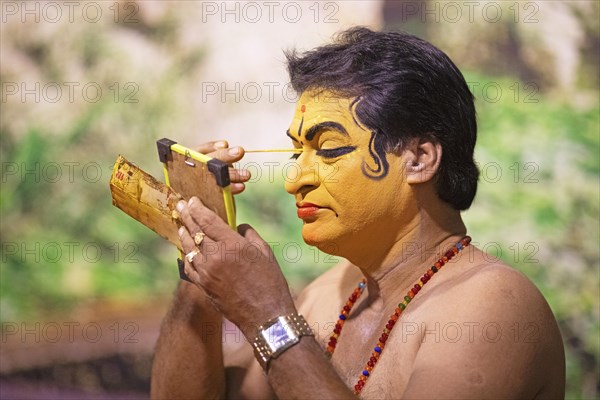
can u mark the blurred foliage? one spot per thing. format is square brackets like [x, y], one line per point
[64, 244]
[537, 208]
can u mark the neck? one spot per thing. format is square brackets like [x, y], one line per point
[400, 262]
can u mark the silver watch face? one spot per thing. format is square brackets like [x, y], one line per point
[278, 335]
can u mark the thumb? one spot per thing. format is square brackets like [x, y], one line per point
[254, 238]
[250, 234]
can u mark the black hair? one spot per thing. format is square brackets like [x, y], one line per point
[405, 88]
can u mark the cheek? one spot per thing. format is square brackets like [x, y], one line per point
[362, 200]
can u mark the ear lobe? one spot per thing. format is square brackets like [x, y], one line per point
[422, 160]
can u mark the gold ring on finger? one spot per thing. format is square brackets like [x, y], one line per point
[190, 256]
[199, 237]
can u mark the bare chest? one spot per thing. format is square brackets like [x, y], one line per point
[355, 346]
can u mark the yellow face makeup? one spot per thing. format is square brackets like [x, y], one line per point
[344, 208]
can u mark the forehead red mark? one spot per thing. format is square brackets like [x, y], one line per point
[302, 108]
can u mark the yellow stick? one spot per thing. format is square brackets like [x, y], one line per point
[297, 151]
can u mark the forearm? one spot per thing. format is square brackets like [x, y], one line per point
[303, 372]
[188, 361]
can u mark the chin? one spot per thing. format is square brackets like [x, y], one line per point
[311, 237]
[323, 240]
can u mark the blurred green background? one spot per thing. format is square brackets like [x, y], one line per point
[70, 257]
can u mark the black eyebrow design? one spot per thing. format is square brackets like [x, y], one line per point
[313, 130]
[290, 136]
[337, 152]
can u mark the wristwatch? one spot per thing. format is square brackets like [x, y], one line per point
[277, 335]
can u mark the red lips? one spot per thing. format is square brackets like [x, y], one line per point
[307, 210]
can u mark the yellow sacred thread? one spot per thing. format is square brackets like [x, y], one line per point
[297, 151]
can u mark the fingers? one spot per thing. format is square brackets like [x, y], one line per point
[229, 155]
[186, 218]
[207, 221]
[237, 188]
[221, 151]
[239, 175]
[188, 245]
[211, 146]
[188, 242]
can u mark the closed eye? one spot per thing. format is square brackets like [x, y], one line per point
[295, 156]
[337, 152]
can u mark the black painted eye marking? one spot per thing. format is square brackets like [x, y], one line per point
[352, 110]
[337, 152]
[377, 152]
[295, 156]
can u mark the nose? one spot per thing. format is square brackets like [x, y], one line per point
[301, 177]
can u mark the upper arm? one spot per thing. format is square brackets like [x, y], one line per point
[244, 376]
[497, 339]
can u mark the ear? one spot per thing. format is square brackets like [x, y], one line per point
[422, 159]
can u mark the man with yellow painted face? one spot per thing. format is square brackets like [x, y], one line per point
[417, 312]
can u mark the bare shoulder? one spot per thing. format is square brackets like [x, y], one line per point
[490, 327]
[492, 289]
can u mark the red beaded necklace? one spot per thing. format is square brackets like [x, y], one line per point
[378, 349]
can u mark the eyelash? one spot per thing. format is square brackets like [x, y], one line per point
[337, 152]
[329, 153]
